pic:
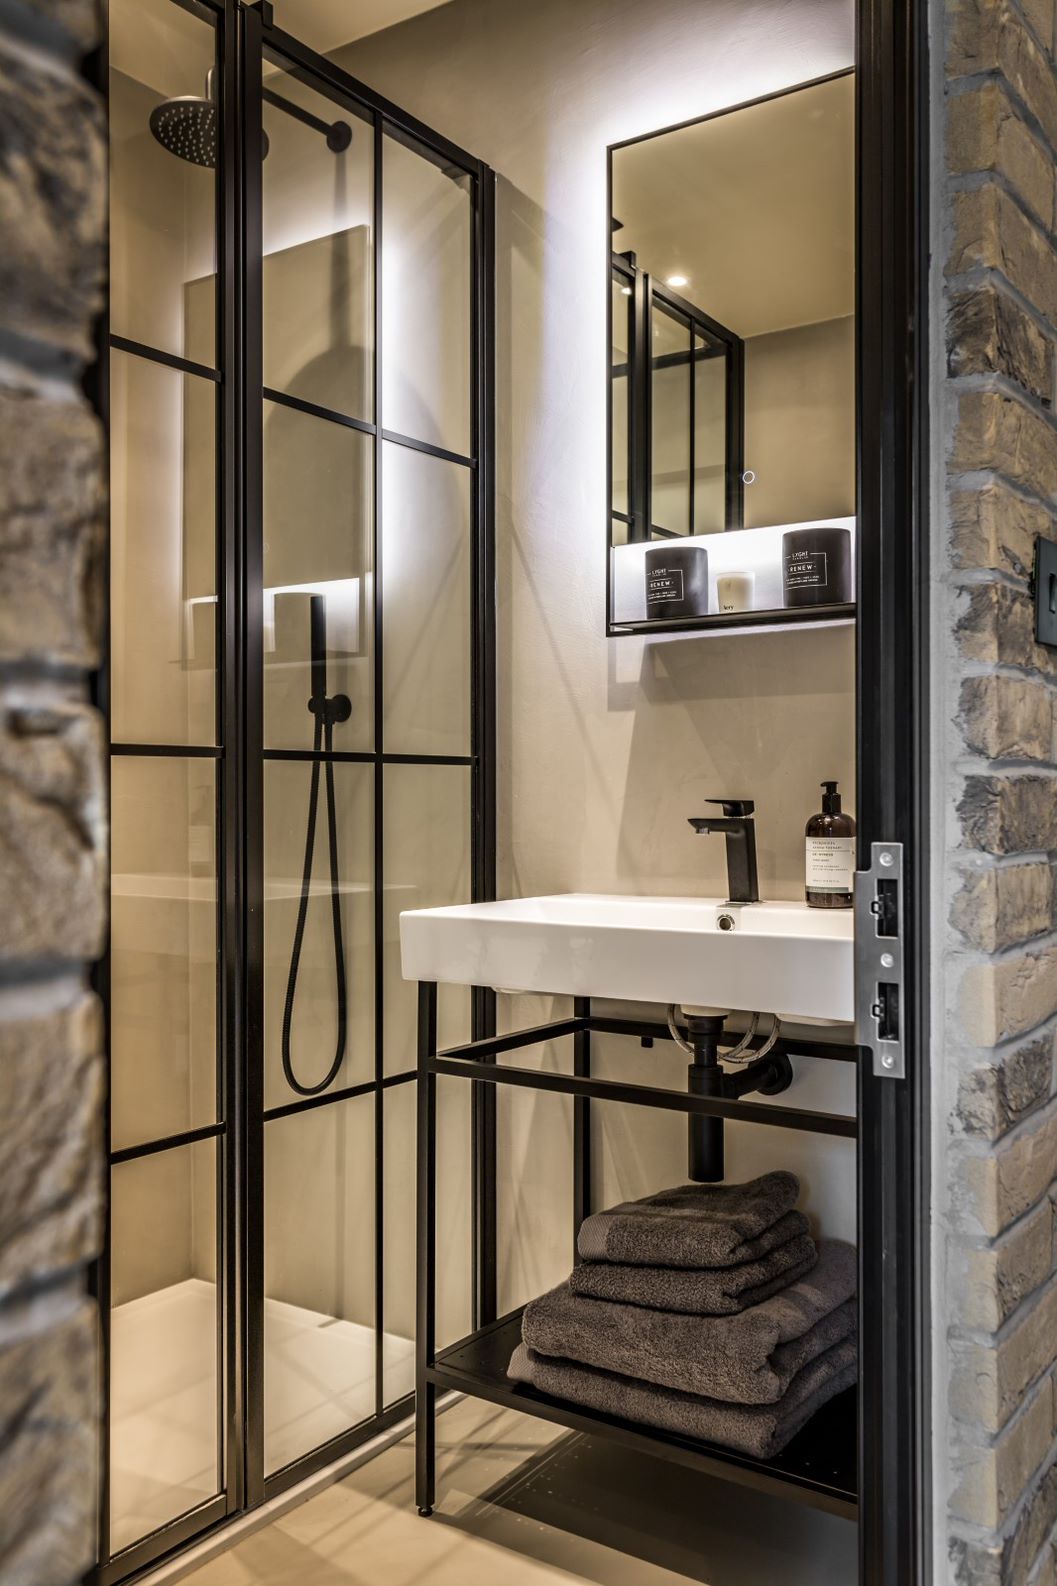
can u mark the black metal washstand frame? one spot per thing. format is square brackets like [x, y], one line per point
[818, 1467]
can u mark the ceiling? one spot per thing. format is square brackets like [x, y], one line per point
[325, 25]
[170, 50]
[756, 208]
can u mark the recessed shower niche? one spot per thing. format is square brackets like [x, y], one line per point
[731, 384]
[298, 683]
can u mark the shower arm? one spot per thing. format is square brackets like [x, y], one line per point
[337, 133]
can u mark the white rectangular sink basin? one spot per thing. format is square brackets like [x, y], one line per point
[773, 957]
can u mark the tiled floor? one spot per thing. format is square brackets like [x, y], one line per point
[523, 1505]
[319, 1379]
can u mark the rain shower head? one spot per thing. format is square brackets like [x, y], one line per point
[187, 127]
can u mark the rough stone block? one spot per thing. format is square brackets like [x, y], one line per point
[1030, 1536]
[1009, 814]
[1040, 15]
[1007, 997]
[999, 907]
[990, 232]
[995, 1096]
[1005, 1183]
[1007, 718]
[48, 1442]
[989, 1381]
[52, 832]
[997, 431]
[988, 36]
[975, 1563]
[1025, 1549]
[994, 528]
[997, 626]
[989, 333]
[51, 530]
[992, 1475]
[51, 1185]
[997, 1278]
[79, 18]
[985, 132]
[52, 185]
[1045, 1571]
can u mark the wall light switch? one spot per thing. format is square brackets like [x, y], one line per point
[1045, 582]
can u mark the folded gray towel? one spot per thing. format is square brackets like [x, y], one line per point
[696, 1225]
[708, 1291]
[750, 1358]
[759, 1430]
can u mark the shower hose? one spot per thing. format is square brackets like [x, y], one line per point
[326, 712]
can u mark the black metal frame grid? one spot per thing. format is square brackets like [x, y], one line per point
[819, 1468]
[646, 296]
[244, 35]
[639, 443]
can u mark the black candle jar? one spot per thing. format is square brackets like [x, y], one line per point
[816, 566]
[676, 580]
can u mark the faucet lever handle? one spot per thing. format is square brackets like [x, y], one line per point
[735, 807]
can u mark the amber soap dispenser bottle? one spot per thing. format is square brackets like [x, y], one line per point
[830, 857]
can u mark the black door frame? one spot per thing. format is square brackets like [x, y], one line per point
[892, 774]
[892, 753]
[244, 30]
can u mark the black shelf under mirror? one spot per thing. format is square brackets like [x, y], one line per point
[818, 1467]
[741, 621]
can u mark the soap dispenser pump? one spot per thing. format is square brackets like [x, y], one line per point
[830, 854]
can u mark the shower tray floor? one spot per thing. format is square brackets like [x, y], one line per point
[163, 1396]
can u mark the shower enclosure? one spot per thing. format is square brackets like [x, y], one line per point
[301, 703]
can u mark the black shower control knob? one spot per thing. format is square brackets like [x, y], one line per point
[339, 707]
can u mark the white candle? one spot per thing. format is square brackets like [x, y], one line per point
[736, 591]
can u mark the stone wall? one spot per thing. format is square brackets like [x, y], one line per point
[52, 792]
[996, 774]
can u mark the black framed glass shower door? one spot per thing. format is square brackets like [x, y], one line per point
[360, 681]
[300, 692]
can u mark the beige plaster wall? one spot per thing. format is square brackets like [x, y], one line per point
[608, 745]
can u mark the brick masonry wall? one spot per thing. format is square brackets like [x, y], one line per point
[52, 794]
[997, 1291]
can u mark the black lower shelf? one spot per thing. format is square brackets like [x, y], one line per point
[818, 1467]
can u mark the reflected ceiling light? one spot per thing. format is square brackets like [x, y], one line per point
[677, 280]
[626, 290]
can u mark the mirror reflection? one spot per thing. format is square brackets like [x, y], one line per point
[732, 298]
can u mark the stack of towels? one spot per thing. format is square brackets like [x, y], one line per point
[706, 1310]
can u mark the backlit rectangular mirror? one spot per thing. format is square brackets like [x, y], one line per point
[732, 400]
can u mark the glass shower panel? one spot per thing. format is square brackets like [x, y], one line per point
[162, 209]
[427, 340]
[317, 1021]
[317, 577]
[163, 952]
[426, 584]
[710, 437]
[454, 1228]
[165, 1428]
[318, 185]
[426, 863]
[163, 606]
[319, 1306]
[670, 397]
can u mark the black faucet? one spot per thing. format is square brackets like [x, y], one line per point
[739, 828]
